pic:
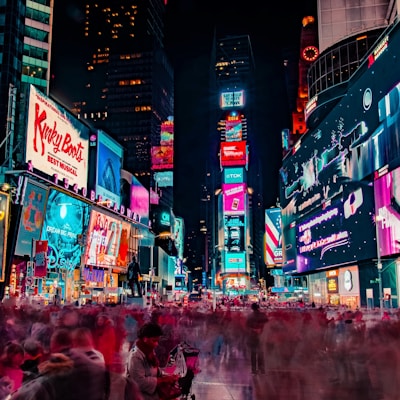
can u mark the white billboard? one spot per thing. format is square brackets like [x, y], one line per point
[56, 142]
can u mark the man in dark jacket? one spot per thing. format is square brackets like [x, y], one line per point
[133, 277]
[255, 324]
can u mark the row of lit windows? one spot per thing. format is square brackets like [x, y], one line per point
[40, 16]
[36, 34]
[130, 82]
[336, 66]
[35, 52]
[34, 71]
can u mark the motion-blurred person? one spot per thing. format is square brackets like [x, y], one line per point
[67, 374]
[33, 357]
[10, 363]
[255, 325]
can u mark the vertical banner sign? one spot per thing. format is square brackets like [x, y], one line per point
[4, 205]
[41, 247]
[273, 237]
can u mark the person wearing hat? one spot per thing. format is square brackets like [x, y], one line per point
[143, 365]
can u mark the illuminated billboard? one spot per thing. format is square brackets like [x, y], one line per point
[235, 263]
[338, 234]
[387, 202]
[164, 178]
[65, 219]
[32, 216]
[233, 175]
[167, 132]
[140, 201]
[233, 153]
[109, 164]
[234, 233]
[104, 235]
[273, 237]
[56, 141]
[234, 197]
[232, 99]
[4, 218]
[162, 157]
[233, 130]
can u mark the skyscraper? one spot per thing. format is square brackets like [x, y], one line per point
[128, 80]
[25, 54]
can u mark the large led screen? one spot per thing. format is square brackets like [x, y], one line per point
[234, 197]
[122, 256]
[233, 130]
[109, 164]
[233, 175]
[361, 135]
[162, 157]
[4, 216]
[140, 201]
[234, 233]
[341, 233]
[273, 237]
[56, 142]
[387, 202]
[104, 235]
[65, 219]
[235, 263]
[233, 154]
[32, 216]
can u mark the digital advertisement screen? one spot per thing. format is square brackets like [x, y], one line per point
[32, 216]
[234, 233]
[341, 233]
[109, 164]
[4, 216]
[64, 220]
[232, 99]
[235, 263]
[273, 237]
[233, 153]
[233, 175]
[233, 131]
[140, 201]
[164, 179]
[162, 157]
[56, 141]
[234, 197]
[359, 138]
[122, 257]
[387, 202]
[167, 133]
[104, 235]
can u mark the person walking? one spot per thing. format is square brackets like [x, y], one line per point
[255, 325]
[133, 277]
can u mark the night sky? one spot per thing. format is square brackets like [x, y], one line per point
[274, 29]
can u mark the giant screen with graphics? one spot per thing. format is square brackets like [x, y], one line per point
[340, 157]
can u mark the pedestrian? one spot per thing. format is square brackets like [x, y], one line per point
[255, 325]
[134, 275]
[10, 363]
[67, 374]
[143, 365]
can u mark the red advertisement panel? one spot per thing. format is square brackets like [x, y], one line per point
[233, 153]
[41, 247]
[162, 157]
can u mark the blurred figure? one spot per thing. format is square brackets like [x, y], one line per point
[33, 357]
[67, 374]
[133, 277]
[104, 336]
[10, 364]
[255, 325]
[82, 340]
[143, 364]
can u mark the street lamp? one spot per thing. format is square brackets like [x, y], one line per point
[379, 263]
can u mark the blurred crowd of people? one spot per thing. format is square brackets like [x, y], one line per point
[94, 352]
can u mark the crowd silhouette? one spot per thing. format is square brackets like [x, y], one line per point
[72, 353]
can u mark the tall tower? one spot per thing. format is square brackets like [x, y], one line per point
[25, 53]
[128, 88]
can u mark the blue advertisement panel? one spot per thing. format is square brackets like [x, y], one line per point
[30, 224]
[341, 233]
[233, 175]
[64, 221]
[109, 164]
[235, 263]
[234, 233]
[360, 136]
